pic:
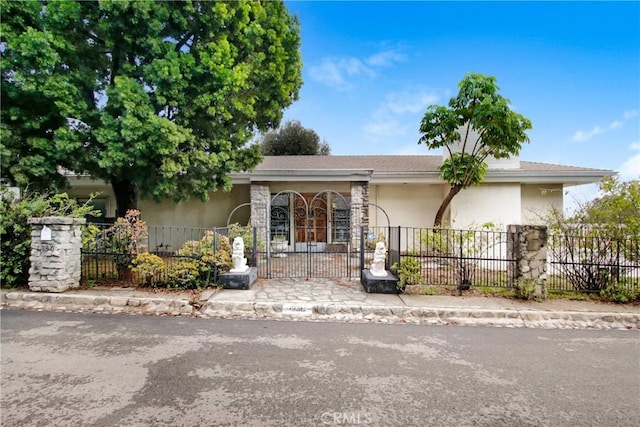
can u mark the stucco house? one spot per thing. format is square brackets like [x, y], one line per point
[318, 198]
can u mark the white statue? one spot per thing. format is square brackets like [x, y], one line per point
[237, 256]
[377, 266]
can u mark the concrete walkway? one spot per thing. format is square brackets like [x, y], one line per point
[334, 300]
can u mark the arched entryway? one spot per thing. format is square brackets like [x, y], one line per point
[309, 235]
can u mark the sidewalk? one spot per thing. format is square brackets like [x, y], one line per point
[334, 300]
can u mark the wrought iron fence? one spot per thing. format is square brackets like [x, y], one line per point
[591, 261]
[444, 257]
[187, 254]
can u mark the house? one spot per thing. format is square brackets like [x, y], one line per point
[318, 198]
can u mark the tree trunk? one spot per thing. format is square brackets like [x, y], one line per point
[126, 195]
[437, 223]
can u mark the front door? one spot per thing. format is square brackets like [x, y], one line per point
[311, 225]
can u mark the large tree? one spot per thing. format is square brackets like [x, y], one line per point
[158, 98]
[476, 124]
[293, 139]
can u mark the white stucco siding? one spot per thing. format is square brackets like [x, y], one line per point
[496, 203]
[194, 213]
[408, 205]
[537, 201]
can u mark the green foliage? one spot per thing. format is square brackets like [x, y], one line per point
[621, 293]
[599, 244]
[150, 267]
[158, 98]
[409, 272]
[463, 248]
[293, 139]
[125, 239]
[477, 124]
[184, 274]
[206, 257]
[15, 232]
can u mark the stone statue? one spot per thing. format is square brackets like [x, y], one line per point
[237, 256]
[377, 266]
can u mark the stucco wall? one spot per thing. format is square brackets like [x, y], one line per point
[195, 213]
[408, 205]
[538, 199]
[497, 203]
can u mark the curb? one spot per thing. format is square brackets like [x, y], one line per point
[340, 312]
[421, 315]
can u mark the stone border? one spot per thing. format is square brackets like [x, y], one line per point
[340, 312]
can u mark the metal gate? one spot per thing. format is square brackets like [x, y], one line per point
[309, 235]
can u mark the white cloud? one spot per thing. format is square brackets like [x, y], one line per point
[339, 72]
[398, 113]
[410, 102]
[630, 169]
[386, 58]
[582, 136]
[334, 72]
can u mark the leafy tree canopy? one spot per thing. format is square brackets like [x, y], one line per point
[158, 98]
[476, 124]
[617, 208]
[293, 139]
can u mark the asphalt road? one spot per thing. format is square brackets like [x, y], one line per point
[118, 370]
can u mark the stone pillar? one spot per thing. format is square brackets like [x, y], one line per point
[261, 211]
[527, 248]
[359, 210]
[55, 253]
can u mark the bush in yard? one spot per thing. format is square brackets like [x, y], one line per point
[210, 255]
[126, 239]
[621, 293]
[15, 232]
[408, 272]
[150, 267]
[184, 273]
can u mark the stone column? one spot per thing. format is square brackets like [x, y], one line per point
[527, 248]
[359, 210]
[55, 253]
[261, 211]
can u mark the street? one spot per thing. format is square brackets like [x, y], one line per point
[120, 370]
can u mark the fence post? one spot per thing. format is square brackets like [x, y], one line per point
[361, 247]
[56, 244]
[527, 254]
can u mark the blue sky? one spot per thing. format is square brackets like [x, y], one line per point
[573, 68]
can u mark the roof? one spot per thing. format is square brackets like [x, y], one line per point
[405, 169]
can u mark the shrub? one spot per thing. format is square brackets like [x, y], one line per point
[210, 256]
[126, 238]
[150, 267]
[620, 293]
[15, 232]
[409, 272]
[184, 273]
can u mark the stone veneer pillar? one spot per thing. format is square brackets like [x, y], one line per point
[261, 211]
[527, 246]
[359, 210]
[55, 261]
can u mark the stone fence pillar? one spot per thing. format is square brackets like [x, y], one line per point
[55, 253]
[527, 248]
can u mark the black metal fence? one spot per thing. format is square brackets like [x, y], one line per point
[444, 257]
[591, 261]
[437, 257]
[186, 256]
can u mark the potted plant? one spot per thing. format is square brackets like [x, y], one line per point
[279, 245]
